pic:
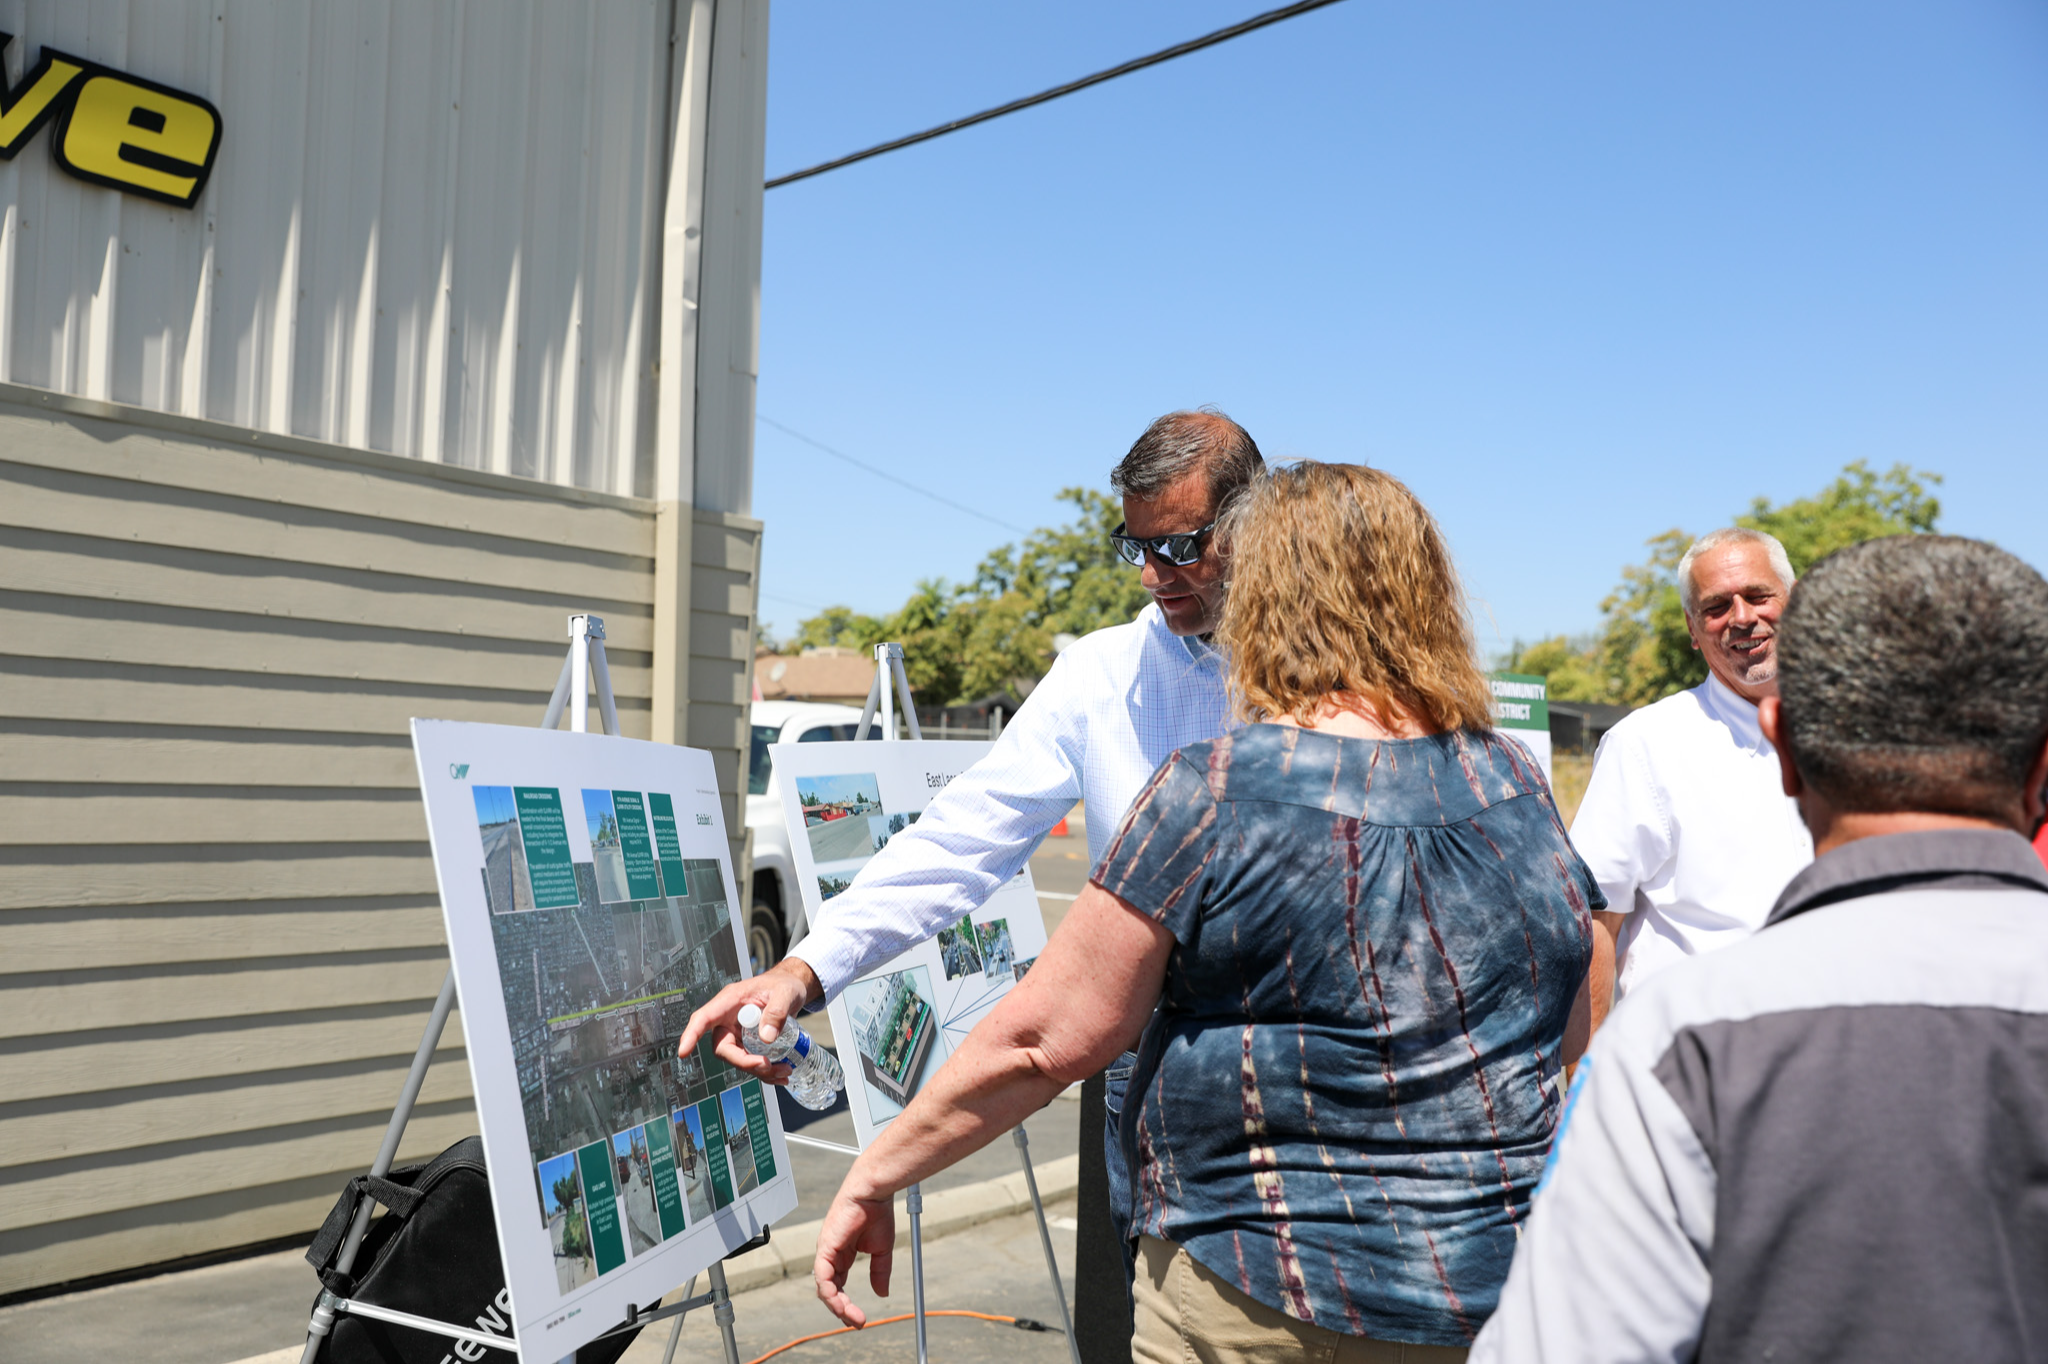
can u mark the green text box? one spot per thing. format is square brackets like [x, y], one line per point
[757, 1130]
[601, 1196]
[636, 847]
[714, 1152]
[668, 1193]
[668, 846]
[546, 838]
[1521, 701]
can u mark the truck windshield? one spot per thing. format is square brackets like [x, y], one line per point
[757, 758]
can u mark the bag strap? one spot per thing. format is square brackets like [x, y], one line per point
[400, 1199]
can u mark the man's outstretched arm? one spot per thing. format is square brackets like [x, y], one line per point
[971, 839]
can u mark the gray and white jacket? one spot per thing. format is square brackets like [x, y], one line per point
[1827, 1142]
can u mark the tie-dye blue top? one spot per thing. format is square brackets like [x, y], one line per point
[1344, 1102]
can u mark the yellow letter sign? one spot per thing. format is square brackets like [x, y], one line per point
[113, 129]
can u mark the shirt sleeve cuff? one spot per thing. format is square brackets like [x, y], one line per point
[831, 959]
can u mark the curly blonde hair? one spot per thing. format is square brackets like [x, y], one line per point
[1341, 590]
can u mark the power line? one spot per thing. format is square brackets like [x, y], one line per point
[885, 474]
[1221, 35]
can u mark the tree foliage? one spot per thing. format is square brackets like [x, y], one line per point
[1644, 652]
[995, 632]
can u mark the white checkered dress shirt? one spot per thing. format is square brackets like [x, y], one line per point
[1114, 706]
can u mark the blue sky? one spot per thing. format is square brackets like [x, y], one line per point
[1577, 273]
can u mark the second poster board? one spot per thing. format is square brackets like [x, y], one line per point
[896, 1025]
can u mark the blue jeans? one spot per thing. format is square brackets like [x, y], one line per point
[1115, 1080]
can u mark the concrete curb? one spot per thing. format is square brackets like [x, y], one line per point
[794, 1249]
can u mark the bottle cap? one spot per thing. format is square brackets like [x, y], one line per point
[750, 1016]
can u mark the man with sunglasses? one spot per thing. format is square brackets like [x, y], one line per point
[1115, 705]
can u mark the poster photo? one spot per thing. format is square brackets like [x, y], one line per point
[896, 1026]
[588, 894]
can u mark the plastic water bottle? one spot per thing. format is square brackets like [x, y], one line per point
[817, 1079]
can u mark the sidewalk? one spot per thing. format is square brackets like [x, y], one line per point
[256, 1308]
[997, 1267]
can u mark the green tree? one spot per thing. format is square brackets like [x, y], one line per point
[842, 627]
[994, 633]
[1858, 506]
[1644, 651]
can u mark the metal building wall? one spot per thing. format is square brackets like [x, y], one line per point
[486, 237]
[434, 229]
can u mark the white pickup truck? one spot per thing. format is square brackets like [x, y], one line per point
[776, 917]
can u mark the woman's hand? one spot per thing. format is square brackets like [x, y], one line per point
[852, 1226]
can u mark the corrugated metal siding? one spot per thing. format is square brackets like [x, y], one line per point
[219, 915]
[433, 229]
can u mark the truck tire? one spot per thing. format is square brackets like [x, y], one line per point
[765, 943]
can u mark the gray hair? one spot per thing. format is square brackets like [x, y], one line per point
[1781, 564]
[1914, 676]
[1181, 443]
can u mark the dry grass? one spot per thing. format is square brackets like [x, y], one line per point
[1569, 774]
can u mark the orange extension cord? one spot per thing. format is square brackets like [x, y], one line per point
[1024, 1324]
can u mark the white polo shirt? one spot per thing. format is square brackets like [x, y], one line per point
[1687, 828]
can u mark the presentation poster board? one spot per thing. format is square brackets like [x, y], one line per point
[588, 891]
[897, 1025]
[1521, 709]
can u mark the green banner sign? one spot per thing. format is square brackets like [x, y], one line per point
[714, 1152]
[1521, 701]
[546, 839]
[668, 847]
[668, 1194]
[637, 848]
[757, 1130]
[601, 1195]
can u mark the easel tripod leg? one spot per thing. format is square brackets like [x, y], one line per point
[1052, 1265]
[721, 1311]
[394, 1133]
[913, 1204]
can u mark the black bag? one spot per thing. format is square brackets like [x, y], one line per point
[434, 1254]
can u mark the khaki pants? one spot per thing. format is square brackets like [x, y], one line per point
[1187, 1312]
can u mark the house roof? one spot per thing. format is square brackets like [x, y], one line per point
[814, 677]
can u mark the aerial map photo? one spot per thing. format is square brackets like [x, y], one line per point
[631, 1143]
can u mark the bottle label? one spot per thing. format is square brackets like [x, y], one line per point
[803, 1044]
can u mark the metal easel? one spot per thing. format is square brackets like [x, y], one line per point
[891, 682]
[584, 666]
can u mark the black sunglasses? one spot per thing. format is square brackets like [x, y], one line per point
[1180, 549]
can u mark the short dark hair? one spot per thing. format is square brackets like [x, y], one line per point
[1182, 442]
[1914, 676]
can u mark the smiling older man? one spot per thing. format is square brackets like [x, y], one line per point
[1684, 823]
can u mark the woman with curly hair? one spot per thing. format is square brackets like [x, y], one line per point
[1352, 934]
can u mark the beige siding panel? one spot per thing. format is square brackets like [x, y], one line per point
[162, 1054]
[79, 505]
[214, 759]
[208, 816]
[308, 474]
[152, 874]
[717, 726]
[37, 625]
[725, 542]
[45, 1005]
[81, 566]
[52, 1253]
[78, 940]
[717, 636]
[210, 698]
[718, 680]
[115, 1121]
[722, 591]
[78, 1188]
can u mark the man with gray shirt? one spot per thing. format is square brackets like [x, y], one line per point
[1830, 1140]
